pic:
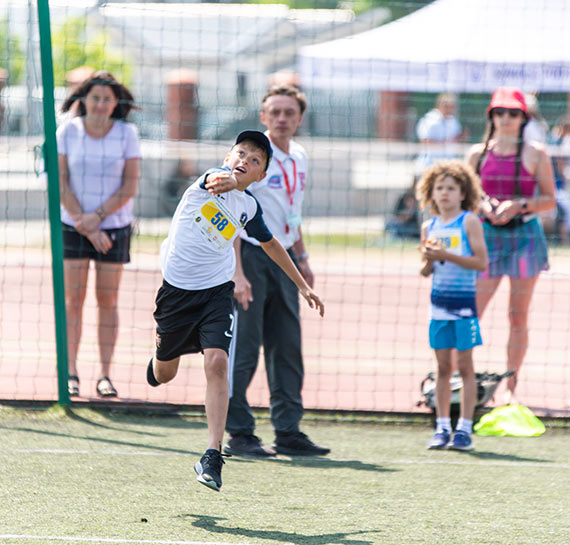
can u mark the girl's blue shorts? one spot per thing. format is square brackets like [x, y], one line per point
[462, 334]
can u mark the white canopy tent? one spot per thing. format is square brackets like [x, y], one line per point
[451, 45]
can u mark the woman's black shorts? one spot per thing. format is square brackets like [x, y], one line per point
[76, 246]
[188, 321]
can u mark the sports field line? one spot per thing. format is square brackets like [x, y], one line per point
[102, 452]
[483, 462]
[118, 540]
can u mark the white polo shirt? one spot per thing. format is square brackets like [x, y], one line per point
[281, 194]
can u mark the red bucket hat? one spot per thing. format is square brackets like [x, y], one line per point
[508, 97]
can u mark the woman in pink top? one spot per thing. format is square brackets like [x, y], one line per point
[518, 182]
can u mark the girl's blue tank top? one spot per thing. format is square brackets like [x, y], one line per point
[453, 287]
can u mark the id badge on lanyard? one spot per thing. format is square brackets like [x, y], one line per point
[216, 222]
[293, 220]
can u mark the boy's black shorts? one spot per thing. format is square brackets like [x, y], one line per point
[188, 321]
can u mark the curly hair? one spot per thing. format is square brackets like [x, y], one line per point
[462, 173]
[123, 95]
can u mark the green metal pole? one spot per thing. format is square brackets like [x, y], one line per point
[50, 158]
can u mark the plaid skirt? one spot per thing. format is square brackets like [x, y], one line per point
[518, 252]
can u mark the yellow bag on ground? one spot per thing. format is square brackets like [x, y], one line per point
[511, 420]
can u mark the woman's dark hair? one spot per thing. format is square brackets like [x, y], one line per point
[124, 96]
[487, 138]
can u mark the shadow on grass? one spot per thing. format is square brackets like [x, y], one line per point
[320, 463]
[486, 455]
[105, 440]
[73, 415]
[166, 420]
[210, 524]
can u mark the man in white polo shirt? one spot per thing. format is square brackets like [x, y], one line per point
[268, 302]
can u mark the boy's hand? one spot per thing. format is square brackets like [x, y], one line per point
[313, 300]
[242, 290]
[220, 182]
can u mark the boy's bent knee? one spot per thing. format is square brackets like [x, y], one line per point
[165, 371]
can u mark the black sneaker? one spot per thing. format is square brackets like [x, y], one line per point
[150, 378]
[298, 444]
[247, 445]
[209, 469]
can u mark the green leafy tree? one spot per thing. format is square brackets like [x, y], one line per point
[74, 46]
[398, 8]
[11, 54]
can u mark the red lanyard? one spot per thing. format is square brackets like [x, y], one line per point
[286, 178]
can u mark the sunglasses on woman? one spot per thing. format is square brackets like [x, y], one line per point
[500, 112]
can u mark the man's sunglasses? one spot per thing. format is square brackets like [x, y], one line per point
[502, 111]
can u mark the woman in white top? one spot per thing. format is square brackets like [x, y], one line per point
[99, 164]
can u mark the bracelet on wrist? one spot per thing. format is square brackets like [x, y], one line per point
[303, 257]
[101, 212]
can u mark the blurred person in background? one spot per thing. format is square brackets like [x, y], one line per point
[518, 182]
[536, 128]
[3, 80]
[405, 220]
[439, 131]
[560, 145]
[99, 165]
[268, 301]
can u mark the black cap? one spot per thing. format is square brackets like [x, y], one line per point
[259, 138]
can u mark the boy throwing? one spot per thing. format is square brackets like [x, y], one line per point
[195, 302]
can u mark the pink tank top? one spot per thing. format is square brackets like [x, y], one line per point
[498, 177]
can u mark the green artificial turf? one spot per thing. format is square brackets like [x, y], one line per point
[104, 477]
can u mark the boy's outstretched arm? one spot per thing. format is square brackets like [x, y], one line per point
[274, 249]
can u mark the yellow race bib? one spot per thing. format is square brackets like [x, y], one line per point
[216, 223]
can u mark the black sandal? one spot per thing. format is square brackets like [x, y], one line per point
[73, 385]
[105, 388]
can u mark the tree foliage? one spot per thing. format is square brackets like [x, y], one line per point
[11, 54]
[76, 45]
[398, 8]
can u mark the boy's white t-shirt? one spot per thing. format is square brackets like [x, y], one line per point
[96, 167]
[198, 253]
